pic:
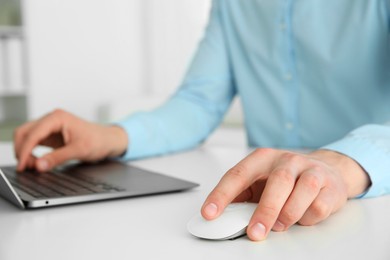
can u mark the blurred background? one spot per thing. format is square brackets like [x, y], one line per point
[99, 59]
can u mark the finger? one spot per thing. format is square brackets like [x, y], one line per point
[320, 209]
[44, 128]
[276, 192]
[236, 180]
[31, 162]
[56, 158]
[253, 193]
[305, 192]
[19, 136]
[278, 188]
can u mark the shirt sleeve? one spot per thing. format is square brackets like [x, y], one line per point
[197, 107]
[369, 146]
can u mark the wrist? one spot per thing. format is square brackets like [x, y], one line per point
[117, 141]
[355, 177]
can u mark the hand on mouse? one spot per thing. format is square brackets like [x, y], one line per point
[72, 138]
[288, 187]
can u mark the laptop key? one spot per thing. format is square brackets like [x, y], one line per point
[57, 184]
[48, 187]
[24, 180]
[26, 189]
[76, 179]
[74, 189]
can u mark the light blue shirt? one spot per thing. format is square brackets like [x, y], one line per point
[310, 74]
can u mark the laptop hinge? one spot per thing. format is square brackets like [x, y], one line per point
[8, 192]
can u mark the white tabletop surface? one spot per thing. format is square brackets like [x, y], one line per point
[155, 227]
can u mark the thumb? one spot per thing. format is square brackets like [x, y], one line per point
[55, 158]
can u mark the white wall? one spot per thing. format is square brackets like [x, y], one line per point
[85, 55]
[172, 31]
[81, 52]
[175, 28]
[103, 59]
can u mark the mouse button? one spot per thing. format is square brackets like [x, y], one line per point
[240, 206]
[234, 206]
[220, 228]
[202, 228]
[196, 226]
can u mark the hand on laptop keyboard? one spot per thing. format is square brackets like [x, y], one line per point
[71, 138]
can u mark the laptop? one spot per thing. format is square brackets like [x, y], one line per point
[80, 183]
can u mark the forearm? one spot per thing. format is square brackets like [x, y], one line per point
[180, 124]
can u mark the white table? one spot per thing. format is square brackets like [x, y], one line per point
[155, 227]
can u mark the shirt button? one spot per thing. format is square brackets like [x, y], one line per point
[289, 126]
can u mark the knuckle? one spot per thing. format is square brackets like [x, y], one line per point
[306, 222]
[30, 138]
[311, 181]
[289, 216]
[239, 175]
[319, 209]
[292, 158]
[269, 211]
[262, 151]
[317, 168]
[283, 175]
[218, 195]
[59, 113]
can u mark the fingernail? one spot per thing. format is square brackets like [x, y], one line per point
[42, 165]
[278, 226]
[257, 231]
[211, 210]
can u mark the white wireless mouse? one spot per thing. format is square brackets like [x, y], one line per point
[230, 224]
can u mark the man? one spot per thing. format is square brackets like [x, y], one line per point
[310, 74]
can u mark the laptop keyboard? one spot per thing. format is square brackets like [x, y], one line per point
[56, 184]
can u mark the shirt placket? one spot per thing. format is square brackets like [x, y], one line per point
[289, 76]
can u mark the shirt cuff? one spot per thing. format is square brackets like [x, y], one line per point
[137, 136]
[372, 159]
